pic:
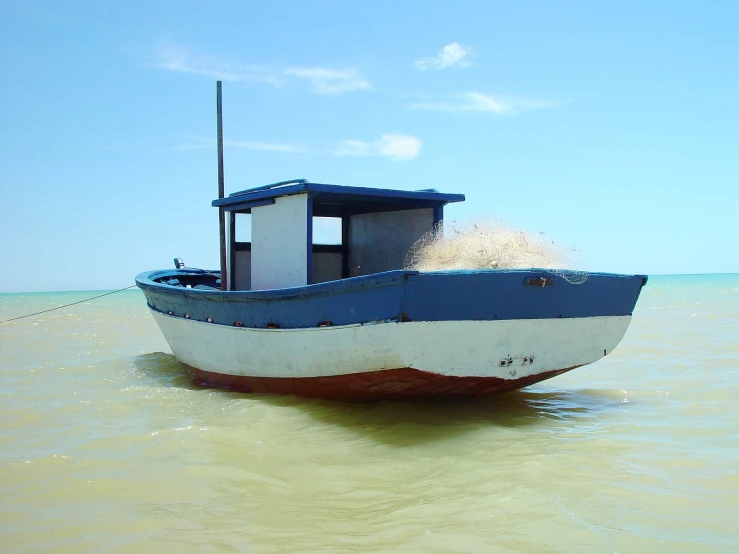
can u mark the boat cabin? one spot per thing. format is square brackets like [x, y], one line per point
[378, 227]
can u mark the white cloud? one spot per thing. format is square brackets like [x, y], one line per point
[330, 81]
[452, 54]
[197, 142]
[264, 146]
[126, 146]
[175, 57]
[396, 146]
[478, 102]
[322, 80]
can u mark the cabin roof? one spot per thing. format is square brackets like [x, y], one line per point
[337, 200]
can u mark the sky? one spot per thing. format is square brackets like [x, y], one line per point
[612, 127]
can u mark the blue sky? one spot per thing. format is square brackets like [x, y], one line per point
[613, 127]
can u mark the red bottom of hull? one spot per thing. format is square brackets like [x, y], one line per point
[390, 384]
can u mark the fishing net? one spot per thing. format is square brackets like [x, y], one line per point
[489, 244]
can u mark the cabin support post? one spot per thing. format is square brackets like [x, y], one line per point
[231, 251]
[345, 246]
[438, 216]
[221, 188]
[309, 240]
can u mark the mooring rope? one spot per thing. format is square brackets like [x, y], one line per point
[66, 305]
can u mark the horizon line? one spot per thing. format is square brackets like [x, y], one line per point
[69, 291]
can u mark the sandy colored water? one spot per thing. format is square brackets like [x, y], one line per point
[106, 446]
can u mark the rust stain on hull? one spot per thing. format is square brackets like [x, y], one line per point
[390, 384]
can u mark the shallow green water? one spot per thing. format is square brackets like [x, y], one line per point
[105, 445]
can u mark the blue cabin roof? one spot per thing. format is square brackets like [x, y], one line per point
[337, 200]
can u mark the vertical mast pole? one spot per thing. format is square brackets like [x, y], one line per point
[221, 189]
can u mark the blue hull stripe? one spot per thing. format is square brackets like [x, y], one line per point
[399, 295]
[502, 295]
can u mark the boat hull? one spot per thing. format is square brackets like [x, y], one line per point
[390, 360]
[395, 335]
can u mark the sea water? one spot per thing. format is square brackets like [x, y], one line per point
[107, 446]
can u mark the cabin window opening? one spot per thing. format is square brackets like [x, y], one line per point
[243, 227]
[326, 230]
[328, 256]
[240, 253]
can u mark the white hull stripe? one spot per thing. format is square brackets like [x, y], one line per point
[506, 349]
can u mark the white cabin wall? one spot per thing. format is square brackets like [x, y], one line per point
[279, 243]
[380, 241]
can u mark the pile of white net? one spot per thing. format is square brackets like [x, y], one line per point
[489, 244]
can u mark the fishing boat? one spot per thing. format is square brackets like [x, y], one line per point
[347, 321]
